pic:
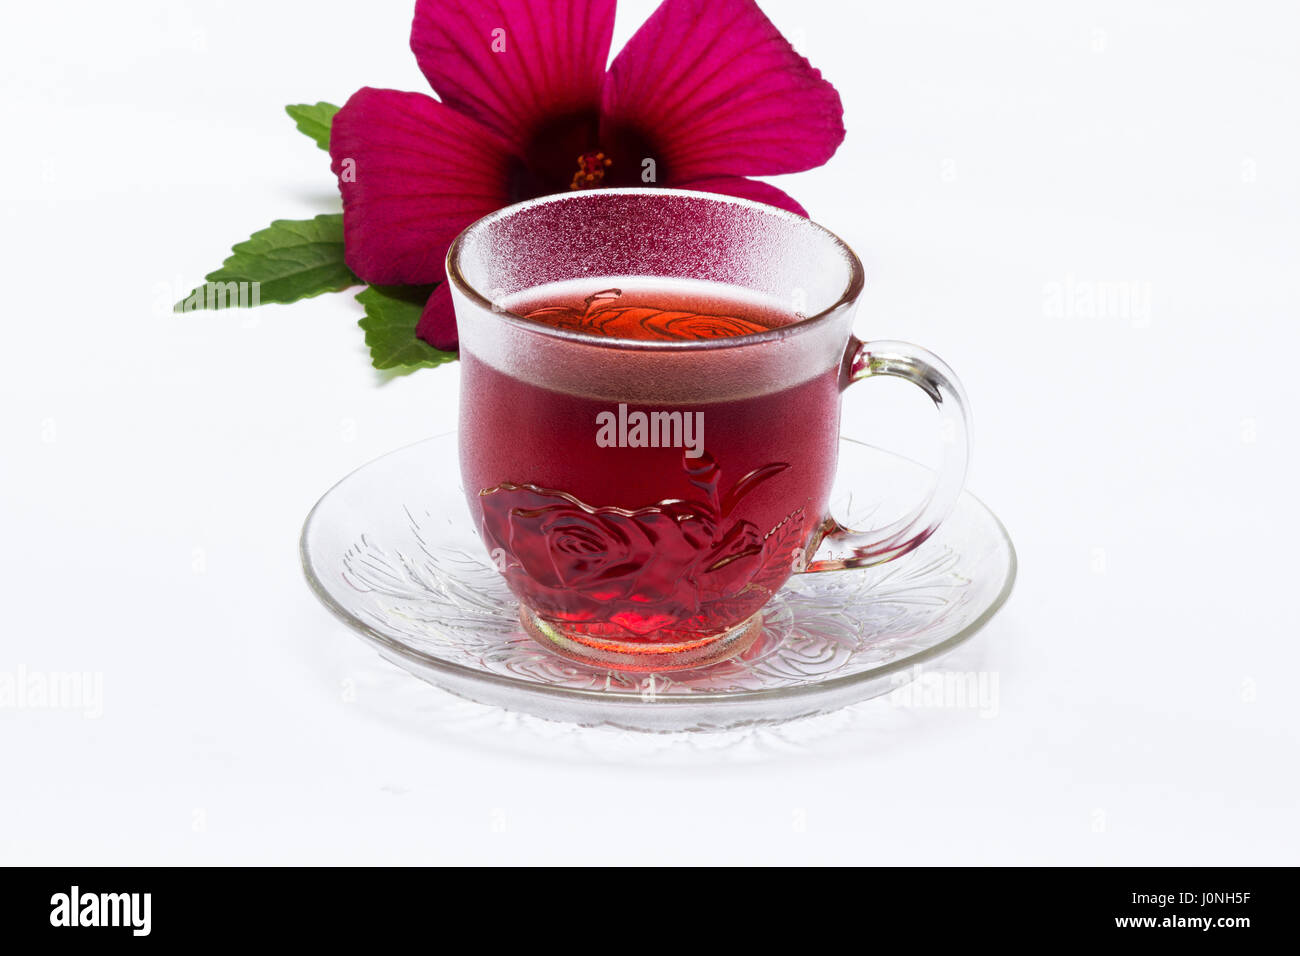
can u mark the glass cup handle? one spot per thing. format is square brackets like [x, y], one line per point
[841, 547]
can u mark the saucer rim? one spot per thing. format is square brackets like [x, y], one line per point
[819, 688]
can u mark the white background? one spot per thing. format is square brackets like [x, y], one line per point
[155, 468]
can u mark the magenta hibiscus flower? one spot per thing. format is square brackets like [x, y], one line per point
[705, 94]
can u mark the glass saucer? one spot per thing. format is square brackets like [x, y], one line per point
[392, 551]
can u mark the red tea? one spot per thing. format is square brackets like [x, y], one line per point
[660, 518]
[652, 316]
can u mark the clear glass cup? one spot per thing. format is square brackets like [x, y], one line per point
[659, 555]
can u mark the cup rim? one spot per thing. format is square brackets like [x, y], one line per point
[846, 298]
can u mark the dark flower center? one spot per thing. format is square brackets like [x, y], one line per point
[617, 157]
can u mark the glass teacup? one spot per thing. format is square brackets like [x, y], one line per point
[649, 418]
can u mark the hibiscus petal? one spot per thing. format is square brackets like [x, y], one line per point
[716, 90]
[413, 174]
[747, 189]
[437, 324]
[548, 62]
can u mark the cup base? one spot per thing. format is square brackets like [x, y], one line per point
[598, 650]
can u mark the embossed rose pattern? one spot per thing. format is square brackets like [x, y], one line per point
[660, 572]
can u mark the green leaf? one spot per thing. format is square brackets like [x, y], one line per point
[314, 120]
[288, 261]
[391, 316]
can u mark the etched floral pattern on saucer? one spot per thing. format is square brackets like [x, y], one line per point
[392, 551]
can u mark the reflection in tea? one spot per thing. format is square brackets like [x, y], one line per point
[650, 315]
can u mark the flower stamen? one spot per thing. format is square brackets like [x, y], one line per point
[591, 171]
